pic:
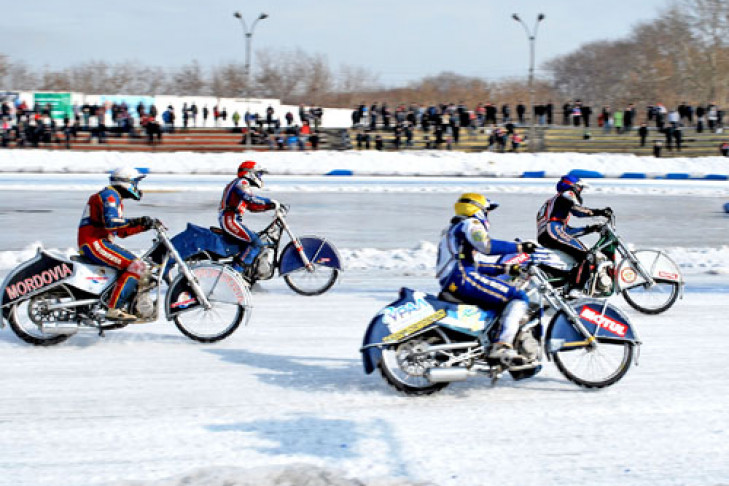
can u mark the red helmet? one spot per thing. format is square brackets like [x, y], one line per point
[251, 172]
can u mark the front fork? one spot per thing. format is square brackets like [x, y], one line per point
[297, 244]
[194, 284]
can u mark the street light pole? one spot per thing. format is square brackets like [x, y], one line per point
[532, 37]
[248, 34]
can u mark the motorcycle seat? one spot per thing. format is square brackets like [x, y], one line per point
[449, 297]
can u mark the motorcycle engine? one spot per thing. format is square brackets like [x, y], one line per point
[603, 277]
[527, 345]
[144, 305]
[264, 264]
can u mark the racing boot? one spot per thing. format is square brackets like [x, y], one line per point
[119, 315]
[505, 353]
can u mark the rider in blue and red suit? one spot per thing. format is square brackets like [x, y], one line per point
[102, 220]
[552, 228]
[238, 198]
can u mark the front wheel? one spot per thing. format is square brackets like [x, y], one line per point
[26, 317]
[656, 298]
[229, 300]
[312, 282]
[597, 367]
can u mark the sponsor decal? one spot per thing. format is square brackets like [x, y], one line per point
[603, 321]
[668, 275]
[38, 281]
[184, 301]
[520, 258]
[415, 327]
[628, 275]
[97, 279]
[470, 315]
[410, 311]
[324, 260]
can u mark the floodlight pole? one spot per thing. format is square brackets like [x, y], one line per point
[248, 34]
[532, 37]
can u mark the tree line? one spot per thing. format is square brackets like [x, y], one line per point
[682, 55]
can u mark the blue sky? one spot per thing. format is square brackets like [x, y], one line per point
[400, 40]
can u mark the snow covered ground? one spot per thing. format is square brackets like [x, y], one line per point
[285, 400]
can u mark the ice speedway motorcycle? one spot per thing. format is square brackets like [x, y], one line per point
[421, 342]
[309, 265]
[50, 297]
[649, 280]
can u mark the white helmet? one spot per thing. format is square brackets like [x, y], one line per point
[126, 181]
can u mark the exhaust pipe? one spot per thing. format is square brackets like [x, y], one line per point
[447, 375]
[60, 328]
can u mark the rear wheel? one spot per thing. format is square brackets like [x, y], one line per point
[225, 314]
[27, 317]
[312, 282]
[597, 367]
[405, 368]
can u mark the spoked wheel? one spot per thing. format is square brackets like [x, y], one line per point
[652, 300]
[405, 368]
[225, 315]
[656, 298]
[596, 367]
[312, 282]
[26, 317]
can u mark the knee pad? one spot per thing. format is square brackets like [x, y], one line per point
[137, 268]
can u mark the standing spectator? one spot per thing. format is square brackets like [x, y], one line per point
[269, 115]
[520, 110]
[668, 133]
[643, 133]
[224, 115]
[712, 116]
[673, 118]
[586, 114]
[629, 117]
[289, 118]
[379, 145]
[678, 137]
[657, 149]
[550, 113]
[618, 121]
[606, 118]
[576, 114]
[216, 115]
[193, 113]
[661, 113]
[236, 118]
[205, 113]
[505, 113]
[567, 113]
[185, 115]
[302, 114]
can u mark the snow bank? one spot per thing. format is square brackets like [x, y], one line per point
[430, 163]
[268, 476]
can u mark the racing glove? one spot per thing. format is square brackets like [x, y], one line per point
[145, 222]
[593, 228]
[528, 247]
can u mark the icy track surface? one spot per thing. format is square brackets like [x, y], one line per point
[145, 404]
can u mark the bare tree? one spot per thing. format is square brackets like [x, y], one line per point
[188, 80]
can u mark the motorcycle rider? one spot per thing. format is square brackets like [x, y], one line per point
[461, 274]
[237, 198]
[552, 228]
[103, 219]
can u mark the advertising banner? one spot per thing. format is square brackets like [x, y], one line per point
[60, 104]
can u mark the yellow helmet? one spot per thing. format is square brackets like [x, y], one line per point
[471, 203]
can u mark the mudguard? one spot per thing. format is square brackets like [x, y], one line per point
[602, 320]
[416, 311]
[181, 298]
[657, 263]
[319, 251]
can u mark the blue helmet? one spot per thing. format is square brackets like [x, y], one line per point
[570, 182]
